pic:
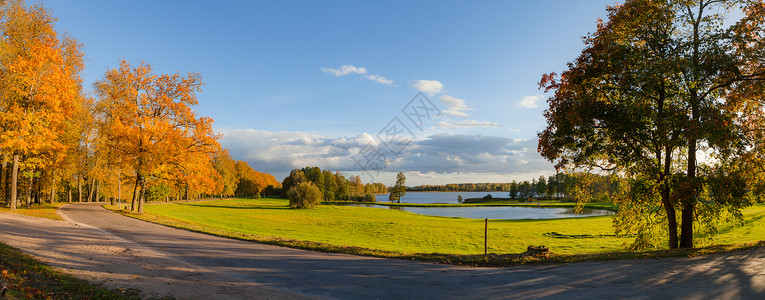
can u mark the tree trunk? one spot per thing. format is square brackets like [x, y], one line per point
[7, 184]
[14, 180]
[91, 190]
[68, 193]
[79, 189]
[133, 202]
[29, 192]
[666, 201]
[53, 187]
[142, 196]
[98, 191]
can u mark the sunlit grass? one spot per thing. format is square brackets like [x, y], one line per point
[47, 211]
[390, 230]
[400, 234]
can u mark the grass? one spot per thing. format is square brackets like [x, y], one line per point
[28, 278]
[47, 211]
[399, 234]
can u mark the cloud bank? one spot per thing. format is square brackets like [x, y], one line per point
[435, 155]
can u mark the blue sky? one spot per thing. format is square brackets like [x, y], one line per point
[295, 83]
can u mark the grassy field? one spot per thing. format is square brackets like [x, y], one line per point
[393, 231]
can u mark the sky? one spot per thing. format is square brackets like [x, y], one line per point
[444, 91]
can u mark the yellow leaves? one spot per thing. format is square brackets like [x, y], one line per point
[38, 80]
[149, 122]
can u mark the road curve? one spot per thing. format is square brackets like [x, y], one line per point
[340, 276]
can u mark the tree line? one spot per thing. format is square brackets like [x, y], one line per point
[561, 186]
[136, 136]
[333, 186]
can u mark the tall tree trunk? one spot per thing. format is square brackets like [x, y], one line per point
[136, 193]
[91, 189]
[7, 183]
[142, 196]
[29, 192]
[68, 193]
[98, 191]
[79, 189]
[14, 180]
[665, 199]
[53, 188]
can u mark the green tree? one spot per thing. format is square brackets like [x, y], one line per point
[541, 186]
[514, 190]
[304, 195]
[655, 81]
[399, 189]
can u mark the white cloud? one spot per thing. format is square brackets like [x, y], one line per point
[379, 79]
[456, 107]
[345, 70]
[466, 124]
[429, 87]
[437, 157]
[529, 101]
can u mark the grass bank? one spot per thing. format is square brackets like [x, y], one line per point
[28, 278]
[399, 234]
[47, 211]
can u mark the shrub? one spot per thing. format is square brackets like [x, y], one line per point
[304, 195]
[487, 197]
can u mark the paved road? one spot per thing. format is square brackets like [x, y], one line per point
[322, 275]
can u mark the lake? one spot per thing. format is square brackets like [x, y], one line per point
[498, 212]
[440, 197]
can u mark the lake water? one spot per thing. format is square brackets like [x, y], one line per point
[497, 212]
[441, 197]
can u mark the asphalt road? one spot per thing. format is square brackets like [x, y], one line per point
[338, 276]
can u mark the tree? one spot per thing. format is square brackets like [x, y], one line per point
[304, 195]
[39, 86]
[654, 82]
[541, 186]
[149, 124]
[513, 190]
[399, 189]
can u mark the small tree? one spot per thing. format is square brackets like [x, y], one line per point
[459, 199]
[304, 195]
[398, 190]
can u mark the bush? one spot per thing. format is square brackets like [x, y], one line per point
[304, 195]
[487, 197]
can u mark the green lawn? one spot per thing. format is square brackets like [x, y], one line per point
[404, 232]
[399, 234]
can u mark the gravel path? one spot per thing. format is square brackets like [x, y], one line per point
[106, 247]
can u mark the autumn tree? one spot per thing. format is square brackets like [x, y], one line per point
[657, 81]
[226, 167]
[149, 124]
[39, 86]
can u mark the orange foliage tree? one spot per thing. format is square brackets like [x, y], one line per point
[39, 87]
[148, 124]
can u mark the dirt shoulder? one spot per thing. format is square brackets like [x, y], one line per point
[92, 254]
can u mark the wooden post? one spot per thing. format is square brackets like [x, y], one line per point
[486, 236]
